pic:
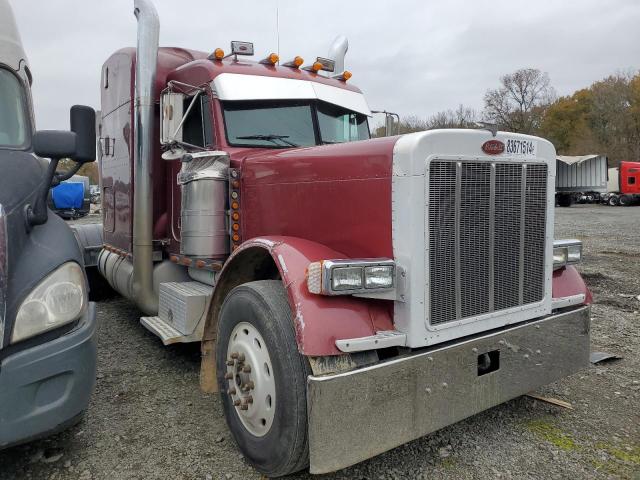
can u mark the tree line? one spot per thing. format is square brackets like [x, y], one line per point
[603, 118]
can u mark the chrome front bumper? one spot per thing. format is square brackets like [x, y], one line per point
[356, 415]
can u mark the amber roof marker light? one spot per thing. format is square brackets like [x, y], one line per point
[344, 76]
[218, 54]
[321, 63]
[271, 59]
[295, 63]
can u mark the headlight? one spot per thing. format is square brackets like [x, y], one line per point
[57, 300]
[348, 277]
[566, 252]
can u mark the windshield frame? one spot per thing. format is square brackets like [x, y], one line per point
[24, 88]
[312, 103]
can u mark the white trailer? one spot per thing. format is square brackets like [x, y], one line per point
[584, 175]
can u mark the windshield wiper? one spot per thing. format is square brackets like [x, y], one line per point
[269, 138]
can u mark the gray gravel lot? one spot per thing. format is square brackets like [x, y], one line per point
[149, 420]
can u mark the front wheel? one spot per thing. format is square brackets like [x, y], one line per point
[263, 378]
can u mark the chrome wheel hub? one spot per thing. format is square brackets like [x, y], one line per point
[249, 376]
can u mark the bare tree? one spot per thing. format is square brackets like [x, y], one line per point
[519, 103]
[462, 117]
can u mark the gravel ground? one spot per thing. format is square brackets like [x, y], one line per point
[149, 420]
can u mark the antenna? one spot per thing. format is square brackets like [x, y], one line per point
[278, 28]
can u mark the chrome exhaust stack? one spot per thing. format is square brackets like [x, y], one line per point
[338, 51]
[146, 64]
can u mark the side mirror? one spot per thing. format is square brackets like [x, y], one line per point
[79, 144]
[83, 124]
[172, 117]
[54, 144]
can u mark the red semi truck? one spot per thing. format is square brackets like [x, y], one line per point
[350, 294]
[624, 184]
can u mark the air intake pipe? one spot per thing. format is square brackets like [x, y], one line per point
[338, 51]
[146, 63]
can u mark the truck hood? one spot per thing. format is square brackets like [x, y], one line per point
[364, 159]
[336, 195]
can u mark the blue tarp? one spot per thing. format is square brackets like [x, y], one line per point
[68, 195]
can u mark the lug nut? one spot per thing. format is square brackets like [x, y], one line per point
[246, 369]
[250, 385]
[241, 357]
[236, 403]
[230, 363]
[234, 355]
[244, 407]
[249, 399]
[228, 376]
[231, 391]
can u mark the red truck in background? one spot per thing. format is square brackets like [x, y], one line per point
[623, 184]
[350, 294]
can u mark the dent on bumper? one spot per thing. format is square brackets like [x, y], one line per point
[357, 415]
[45, 388]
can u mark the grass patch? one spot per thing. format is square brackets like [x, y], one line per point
[628, 456]
[553, 435]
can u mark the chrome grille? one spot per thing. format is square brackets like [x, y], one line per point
[486, 228]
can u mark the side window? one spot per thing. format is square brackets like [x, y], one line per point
[197, 128]
[632, 180]
[14, 122]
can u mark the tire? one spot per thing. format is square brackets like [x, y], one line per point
[625, 200]
[564, 200]
[614, 200]
[256, 318]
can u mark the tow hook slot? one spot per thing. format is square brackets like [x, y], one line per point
[488, 362]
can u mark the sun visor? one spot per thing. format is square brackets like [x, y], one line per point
[235, 86]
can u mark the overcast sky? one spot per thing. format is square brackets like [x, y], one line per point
[410, 56]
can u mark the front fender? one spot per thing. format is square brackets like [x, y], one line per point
[318, 320]
[568, 282]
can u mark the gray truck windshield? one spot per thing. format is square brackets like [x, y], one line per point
[291, 124]
[14, 125]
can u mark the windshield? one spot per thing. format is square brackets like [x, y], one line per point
[14, 131]
[279, 124]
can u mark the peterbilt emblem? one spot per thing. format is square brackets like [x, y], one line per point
[493, 147]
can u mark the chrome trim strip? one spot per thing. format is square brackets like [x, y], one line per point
[523, 213]
[458, 199]
[4, 273]
[383, 339]
[563, 302]
[492, 240]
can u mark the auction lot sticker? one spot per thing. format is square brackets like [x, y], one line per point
[520, 148]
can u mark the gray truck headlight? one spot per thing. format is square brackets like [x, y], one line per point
[57, 300]
[348, 277]
[566, 252]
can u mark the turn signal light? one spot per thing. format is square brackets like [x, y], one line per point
[235, 205]
[236, 237]
[235, 216]
[235, 227]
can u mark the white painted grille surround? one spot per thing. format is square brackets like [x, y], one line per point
[414, 156]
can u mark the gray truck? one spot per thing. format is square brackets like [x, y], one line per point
[47, 324]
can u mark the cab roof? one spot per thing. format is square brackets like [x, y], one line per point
[11, 51]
